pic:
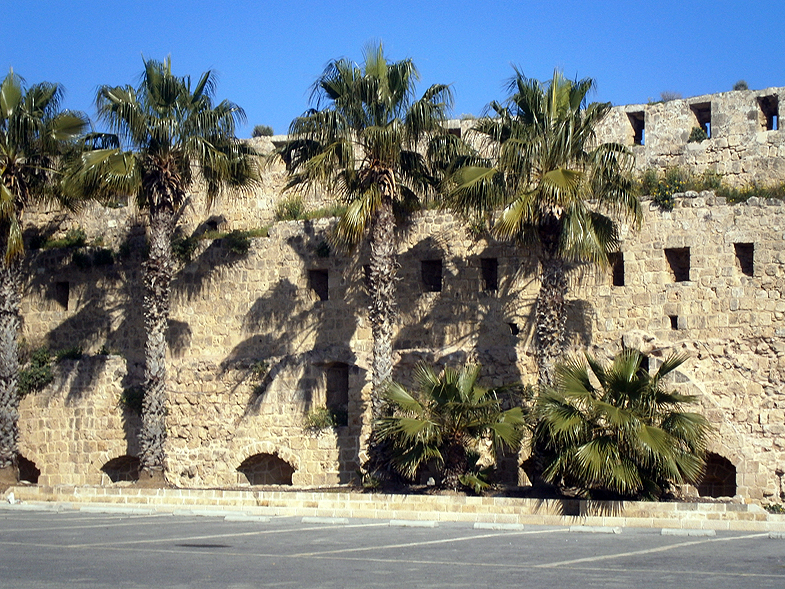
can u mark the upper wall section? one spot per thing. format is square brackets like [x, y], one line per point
[745, 142]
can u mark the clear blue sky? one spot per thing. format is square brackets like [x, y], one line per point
[268, 53]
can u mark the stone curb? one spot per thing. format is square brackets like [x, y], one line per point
[686, 532]
[596, 529]
[413, 523]
[325, 520]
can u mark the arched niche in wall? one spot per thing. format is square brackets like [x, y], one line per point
[266, 469]
[719, 480]
[122, 468]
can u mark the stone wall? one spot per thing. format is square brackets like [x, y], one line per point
[257, 341]
[745, 142]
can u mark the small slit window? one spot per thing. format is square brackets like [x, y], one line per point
[638, 122]
[490, 273]
[62, 294]
[616, 260]
[769, 110]
[679, 262]
[337, 391]
[431, 271]
[702, 114]
[318, 282]
[745, 255]
[514, 329]
[674, 319]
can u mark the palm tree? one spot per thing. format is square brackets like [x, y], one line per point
[369, 142]
[174, 136]
[628, 436]
[34, 138]
[560, 192]
[443, 421]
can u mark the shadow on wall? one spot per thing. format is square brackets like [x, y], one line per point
[301, 330]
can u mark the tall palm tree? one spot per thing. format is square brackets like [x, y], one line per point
[560, 191]
[168, 136]
[443, 421]
[35, 135]
[628, 436]
[371, 143]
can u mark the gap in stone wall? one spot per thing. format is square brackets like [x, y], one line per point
[62, 291]
[702, 113]
[679, 262]
[490, 273]
[431, 271]
[318, 281]
[745, 254]
[638, 124]
[769, 107]
[616, 260]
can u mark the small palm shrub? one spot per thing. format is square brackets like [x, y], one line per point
[443, 421]
[628, 437]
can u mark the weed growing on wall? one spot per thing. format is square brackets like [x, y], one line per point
[663, 186]
[38, 372]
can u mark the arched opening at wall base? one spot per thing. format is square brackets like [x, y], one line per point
[122, 468]
[719, 480]
[28, 471]
[265, 469]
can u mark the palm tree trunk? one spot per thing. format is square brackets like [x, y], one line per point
[456, 464]
[158, 271]
[381, 289]
[550, 318]
[10, 282]
[384, 267]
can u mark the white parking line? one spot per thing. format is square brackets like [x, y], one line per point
[427, 542]
[647, 551]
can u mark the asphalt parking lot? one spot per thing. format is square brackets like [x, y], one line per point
[78, 549]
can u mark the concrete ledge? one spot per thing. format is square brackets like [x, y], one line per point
[492, 526]
[410, 523]
[686, 532]
[325, 520]
[596, 529]
[498, 511]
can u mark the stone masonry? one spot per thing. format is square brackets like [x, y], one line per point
[258, 342]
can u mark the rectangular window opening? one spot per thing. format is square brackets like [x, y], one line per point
[455, 131]
[431, 271]
[679, 262]
[490, 273]
[336, 376]
[616, 260]
[62, 294]
[745, 254]
[702, 112]
[638, 122]
[769, 110]
[318, 281]
[674, 321]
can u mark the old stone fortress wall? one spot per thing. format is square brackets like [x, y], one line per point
[258, 341]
